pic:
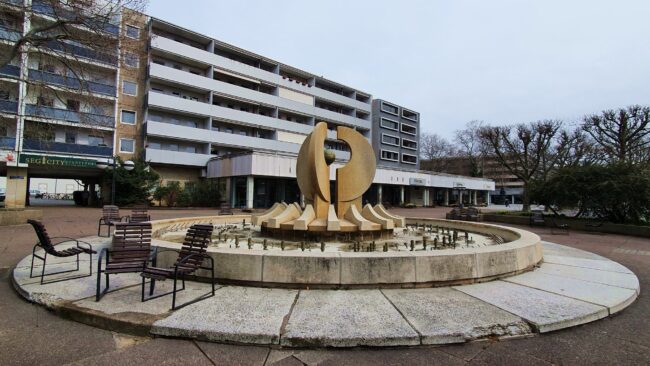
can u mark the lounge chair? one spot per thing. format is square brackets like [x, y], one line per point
[130, 251]
[191, 258]
[45, 243]
[110, 217]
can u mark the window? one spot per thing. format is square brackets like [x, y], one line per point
[131, 59]
[409, 115]
[389, 155]
[389, 108]
[128, 117]
[409, 144]
[127, 145]
[72, 105]
[409, 159]
[132, 32]
[96, 140]
[190, 149]
[389, 139]
[389, 124]
[129, 87]
[177, 67]
[411, 130]
[70, 137]
[154, 145]
[159, 62]
[172, 147]
[47, 68]
[4, 94]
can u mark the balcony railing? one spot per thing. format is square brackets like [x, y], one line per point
[62, 147]
[70, 82]
[70, 116]
[7, 143]
[10, 70]
[47, 9]
[82, 52]
[9, 34]
[9, 106]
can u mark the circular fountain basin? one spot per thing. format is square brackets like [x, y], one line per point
[340, 266]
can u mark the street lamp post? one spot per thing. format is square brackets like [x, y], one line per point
[113, 164]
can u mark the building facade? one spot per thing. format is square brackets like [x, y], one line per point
[395, 135]
[197, 108]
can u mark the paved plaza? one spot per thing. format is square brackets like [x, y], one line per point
[30, 334]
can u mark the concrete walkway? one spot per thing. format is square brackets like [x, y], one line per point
[570, 288]
[31, 335]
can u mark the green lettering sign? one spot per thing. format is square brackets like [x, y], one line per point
[57, 161]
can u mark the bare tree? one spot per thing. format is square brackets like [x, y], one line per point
[437, 150]
[623, 134]
[472, 146]
[65, 46]
[523, 149]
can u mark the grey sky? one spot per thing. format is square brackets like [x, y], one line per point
[453, 61]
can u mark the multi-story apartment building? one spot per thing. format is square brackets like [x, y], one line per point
[395, 135]
[197, 108]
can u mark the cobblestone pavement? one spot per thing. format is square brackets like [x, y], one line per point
[31, 335]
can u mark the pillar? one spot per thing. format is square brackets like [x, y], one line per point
[446, 197]
[401, 195]
[380, 198]
[16, 187]
[487, 198]
[425, 200]
[475, 198]
[460, 197]
[233, 191]
[250, 191]
[227, 192]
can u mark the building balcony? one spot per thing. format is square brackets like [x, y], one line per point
[7, 143]
[9, 106]
[8, 34]
[176, 157]
[83, 52]
[41, 7]
[173, 47]
[89, 119]
[62, 147]
[71, 82]
[10, 70]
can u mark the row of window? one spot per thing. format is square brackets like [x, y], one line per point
[395, 110]
[390, 124]
[394, 156]
[395, 141]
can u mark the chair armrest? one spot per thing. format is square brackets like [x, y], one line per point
[102, 253]
[63, 241]
[187, 257]
[85, 244]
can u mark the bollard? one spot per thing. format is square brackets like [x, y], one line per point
[385, 247]
[302, 246]
[412, 245]
[265, 245]
[236, 242]
[282, 244]
[424, 242]
[250, 244]
[322, 246]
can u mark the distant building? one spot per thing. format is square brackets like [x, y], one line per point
[507, 186]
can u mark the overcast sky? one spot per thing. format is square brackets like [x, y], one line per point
[453, 61]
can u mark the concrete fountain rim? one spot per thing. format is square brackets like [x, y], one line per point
[315, 269]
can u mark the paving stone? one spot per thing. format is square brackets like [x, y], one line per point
[565, 251]
[51, 293]
[546, 311]
[617, 279]
[445, 315]
[230, 354]
[345, 319]
[130, 299]
[235, 314]
[614, 298]
[603, 265]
